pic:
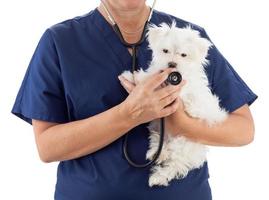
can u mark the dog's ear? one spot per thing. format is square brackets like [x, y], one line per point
[154, 32]
[203, 45]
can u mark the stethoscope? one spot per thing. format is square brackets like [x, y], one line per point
[174, 78]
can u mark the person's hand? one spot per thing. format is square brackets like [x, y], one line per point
[151, 99]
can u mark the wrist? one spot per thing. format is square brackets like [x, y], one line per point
[125, 116]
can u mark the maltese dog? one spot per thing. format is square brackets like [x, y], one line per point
[186, 51]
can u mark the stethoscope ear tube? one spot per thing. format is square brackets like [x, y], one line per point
[118, 32]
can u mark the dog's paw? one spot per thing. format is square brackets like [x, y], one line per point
[181, 174]
[157, 179]
[141, 75]
[128, 75]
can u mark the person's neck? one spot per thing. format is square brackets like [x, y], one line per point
[130, 22]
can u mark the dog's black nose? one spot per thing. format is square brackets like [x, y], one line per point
[172, 64]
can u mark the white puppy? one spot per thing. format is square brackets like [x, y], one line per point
[186, 50]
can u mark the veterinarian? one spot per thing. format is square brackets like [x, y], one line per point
[80, 111]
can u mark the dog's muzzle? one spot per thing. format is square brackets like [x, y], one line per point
[172, 65]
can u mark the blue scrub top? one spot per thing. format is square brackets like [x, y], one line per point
[73, 75]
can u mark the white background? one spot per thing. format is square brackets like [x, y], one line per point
[238, 28]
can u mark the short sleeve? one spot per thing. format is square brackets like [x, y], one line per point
[41, 94]
[225, 82]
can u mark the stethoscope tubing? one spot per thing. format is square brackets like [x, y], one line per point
[162, 128]
[134, 47]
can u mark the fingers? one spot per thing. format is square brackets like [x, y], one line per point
[163, 85]
[169, 89]
[157, 79]
[169, 103]
[170, 109]
[168, 100]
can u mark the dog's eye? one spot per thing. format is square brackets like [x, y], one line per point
[165, 50]
[183, 55]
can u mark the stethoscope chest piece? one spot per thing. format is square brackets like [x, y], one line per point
[174, 78]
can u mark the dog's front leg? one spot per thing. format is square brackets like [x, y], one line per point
[128, 75]
[136, 77]
[163, 174]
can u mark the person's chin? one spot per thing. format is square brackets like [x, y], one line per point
[132, 4]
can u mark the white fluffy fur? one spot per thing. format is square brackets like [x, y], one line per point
[179, 154]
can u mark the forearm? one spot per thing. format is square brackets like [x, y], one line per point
[236, 130]
[82, 137]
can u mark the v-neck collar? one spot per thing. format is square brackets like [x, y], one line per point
[114, 42]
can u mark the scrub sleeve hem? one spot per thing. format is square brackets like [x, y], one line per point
[38, 116]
